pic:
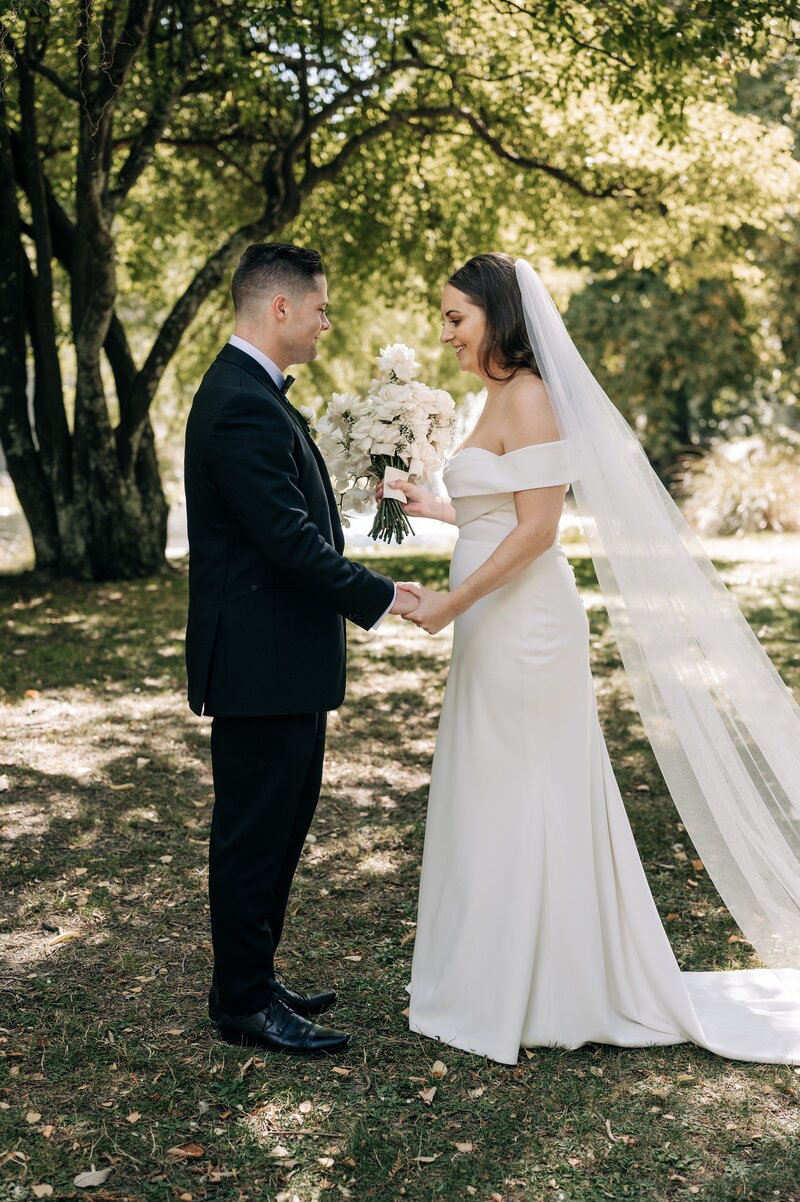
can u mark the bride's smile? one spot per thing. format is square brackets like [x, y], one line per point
[463, 328]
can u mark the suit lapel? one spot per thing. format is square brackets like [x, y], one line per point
[232, 354]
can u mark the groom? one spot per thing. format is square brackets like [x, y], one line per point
[269, 589]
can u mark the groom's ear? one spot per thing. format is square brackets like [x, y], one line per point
[279, 307]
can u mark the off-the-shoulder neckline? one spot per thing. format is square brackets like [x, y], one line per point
[553, 443]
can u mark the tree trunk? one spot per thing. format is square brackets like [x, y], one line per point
[21, 454]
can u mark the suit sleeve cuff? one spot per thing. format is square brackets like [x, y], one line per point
[385, 612]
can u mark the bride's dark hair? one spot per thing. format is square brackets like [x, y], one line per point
[490, 282]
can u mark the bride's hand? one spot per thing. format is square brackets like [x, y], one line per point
[434, 611]
[419, 502]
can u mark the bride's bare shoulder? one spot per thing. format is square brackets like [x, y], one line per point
[528, 415]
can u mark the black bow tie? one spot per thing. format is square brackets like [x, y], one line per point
[287, 384]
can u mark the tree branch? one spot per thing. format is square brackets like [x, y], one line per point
[209, 277]
[144, 145]
[114, 69]
[510, 5]
[520, 160]
[329, 170]
[315, 122]
[54, 78]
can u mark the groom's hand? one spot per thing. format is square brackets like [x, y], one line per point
[406, 600]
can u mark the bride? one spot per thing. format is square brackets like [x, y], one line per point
[536, 924]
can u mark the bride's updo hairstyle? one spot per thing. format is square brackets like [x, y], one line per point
[490, 282]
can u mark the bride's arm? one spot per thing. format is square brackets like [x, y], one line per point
[529, 421]
[538, 515]
[421, 502]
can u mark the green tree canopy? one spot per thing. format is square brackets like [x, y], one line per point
[145, 143]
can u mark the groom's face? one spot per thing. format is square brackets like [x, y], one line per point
[306, 320]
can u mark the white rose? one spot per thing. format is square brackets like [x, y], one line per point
[398, 359]
[358, 500]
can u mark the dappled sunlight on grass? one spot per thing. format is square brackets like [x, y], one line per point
[105, 953]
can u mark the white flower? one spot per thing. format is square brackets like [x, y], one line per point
[398, 359]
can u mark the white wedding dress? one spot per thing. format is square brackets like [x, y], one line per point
[536, 924]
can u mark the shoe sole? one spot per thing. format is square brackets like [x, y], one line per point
[237, 1039]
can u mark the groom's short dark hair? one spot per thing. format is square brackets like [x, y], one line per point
[274, 267]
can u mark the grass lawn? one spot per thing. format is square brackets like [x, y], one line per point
[108, 1058]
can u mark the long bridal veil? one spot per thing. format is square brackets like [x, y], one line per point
[724, 727]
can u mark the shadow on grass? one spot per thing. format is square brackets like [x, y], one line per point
[106, 951]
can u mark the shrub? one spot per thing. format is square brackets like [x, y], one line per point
[745, 485]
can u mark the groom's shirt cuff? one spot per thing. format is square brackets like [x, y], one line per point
[385, 612]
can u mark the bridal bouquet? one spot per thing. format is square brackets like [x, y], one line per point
[399, 431]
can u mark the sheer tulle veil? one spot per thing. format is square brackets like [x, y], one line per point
[724, 727]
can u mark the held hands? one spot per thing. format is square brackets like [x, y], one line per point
[406, 600]
[433, 611]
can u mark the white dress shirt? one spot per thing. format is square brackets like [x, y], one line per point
[275, 374]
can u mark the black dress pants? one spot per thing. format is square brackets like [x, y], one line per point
[267, 775]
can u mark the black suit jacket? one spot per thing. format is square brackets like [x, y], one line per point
[269, 587]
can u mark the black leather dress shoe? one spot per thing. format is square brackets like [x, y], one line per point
[309, 1005]
[279, 1029]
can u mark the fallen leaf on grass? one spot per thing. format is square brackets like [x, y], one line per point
[427, 1159]
[63, 937]
[471, 1190]
[673, 917]
[133, 1117]
[42, 1191]
[341, 1072]
[698, 865]
[736, 939]
[186, 1151]
[427, 1095]
[247, 1064]
[121, 788]
[352, 959]
[609, 1132]
[32, 1116]
[5, 784]
[477, 1093]
[327, 1162]
[93, 1177]
[439, 1069]
[466, 1146]
[165, 859]
[174, 1031]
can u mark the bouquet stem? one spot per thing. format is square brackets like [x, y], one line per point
[390, 520]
